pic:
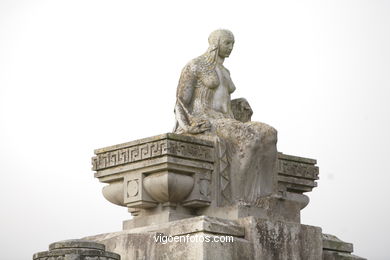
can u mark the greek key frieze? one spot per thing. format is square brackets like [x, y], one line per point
[297, 169]
[152, 150]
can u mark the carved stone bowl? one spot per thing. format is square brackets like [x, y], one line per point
[168, 186]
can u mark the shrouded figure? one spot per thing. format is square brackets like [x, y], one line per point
[204, 108]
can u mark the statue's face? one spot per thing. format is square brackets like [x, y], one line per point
[226, 43]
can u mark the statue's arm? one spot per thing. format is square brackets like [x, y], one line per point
[187, 83]
[185, 95]
[185, 91]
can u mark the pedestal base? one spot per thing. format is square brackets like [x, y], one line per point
[215, 238]
[156, 219]
[194, 238]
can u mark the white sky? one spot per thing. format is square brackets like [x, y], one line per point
[80, 75]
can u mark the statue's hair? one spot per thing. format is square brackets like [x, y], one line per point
[216, 35]
[210, 57]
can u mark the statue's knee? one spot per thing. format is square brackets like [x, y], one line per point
[274, 134]
[271, 135]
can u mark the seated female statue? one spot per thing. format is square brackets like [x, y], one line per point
[203, 107]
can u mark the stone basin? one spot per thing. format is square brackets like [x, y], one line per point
[168, 186]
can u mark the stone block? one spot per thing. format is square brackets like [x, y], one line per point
[282, 240]
[171, 176]
[336, 249]
[241, 109]
[296, 174]
[253, 238]
[76, 249]
[160, 178]
[144, 243]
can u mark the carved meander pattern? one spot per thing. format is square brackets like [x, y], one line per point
[297, 169]
[152, 150]
[297, 177]
[66, 257]
[294, 174]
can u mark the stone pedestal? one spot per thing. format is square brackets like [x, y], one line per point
[159, 179]
[170, 177]
[191, 235]
[246, 238]
[173, 186]
[336, 249]
[282, 240]
[76, 249]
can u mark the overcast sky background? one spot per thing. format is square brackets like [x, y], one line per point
[81, 75]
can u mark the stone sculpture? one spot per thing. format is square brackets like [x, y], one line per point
[218, 174]
[216, 163]
[204, 108]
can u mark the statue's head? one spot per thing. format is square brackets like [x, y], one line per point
[222, 40]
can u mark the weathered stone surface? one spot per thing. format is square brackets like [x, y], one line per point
[217, 160]
[171, 185]
[161, 178]
[140, 243]
[336, 249]
[246, 150]
[254, 238]
[76, 243]
[143, 246]
[219, 175]
[194, 224]
[296, 174]
[218, 165]
[76, 249]
[332, 255]
[241, 109]
[152, 147]
[282, 240]
[333, 243]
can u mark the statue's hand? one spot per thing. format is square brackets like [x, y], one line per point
[198, 126]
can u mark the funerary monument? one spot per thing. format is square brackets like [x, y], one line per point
[218, 174]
